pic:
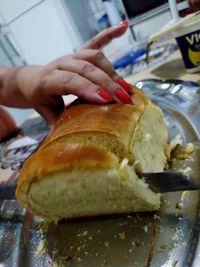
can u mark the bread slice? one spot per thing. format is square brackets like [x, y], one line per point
[70, 181]
[88, 164]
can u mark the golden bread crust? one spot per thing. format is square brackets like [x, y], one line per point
[113, 119]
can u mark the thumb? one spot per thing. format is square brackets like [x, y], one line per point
[51, 112]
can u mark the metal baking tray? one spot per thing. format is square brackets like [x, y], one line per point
[167, 238]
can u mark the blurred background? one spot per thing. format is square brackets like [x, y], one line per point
[36, 32]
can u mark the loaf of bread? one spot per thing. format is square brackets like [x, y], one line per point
[89, 163]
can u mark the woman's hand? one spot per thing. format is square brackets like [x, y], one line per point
[87, 74]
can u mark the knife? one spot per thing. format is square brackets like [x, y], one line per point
[170, 181]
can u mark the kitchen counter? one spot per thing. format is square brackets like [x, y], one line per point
[172, 68]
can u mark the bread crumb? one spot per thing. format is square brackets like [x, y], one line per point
[162, 247]
[83, 234]
[41, 249]
[185, 195]
[175, 142]
[146, 228]
[189, 148]
[179, 205]
[185, 153]
[122, 235]
[182, 152]
[174, 263]
[107, 244]
[135, 243]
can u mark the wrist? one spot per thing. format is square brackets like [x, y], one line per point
[3, 71]
[9, 86]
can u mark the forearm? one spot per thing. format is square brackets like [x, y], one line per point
[10, 94]
[3, 71]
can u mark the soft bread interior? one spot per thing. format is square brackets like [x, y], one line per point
[107, 192]
[149, 143]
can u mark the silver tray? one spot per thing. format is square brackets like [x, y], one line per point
[167, 238]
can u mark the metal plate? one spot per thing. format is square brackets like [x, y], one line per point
[167, 238]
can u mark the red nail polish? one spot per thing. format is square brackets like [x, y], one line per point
[124, 84]
[123, 96]
[104, 94]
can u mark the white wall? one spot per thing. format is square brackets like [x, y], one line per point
[9, 9]
[40, 34]
[144, 29]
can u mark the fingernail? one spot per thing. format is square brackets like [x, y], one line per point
[124, 84]
[124, 22]
[104, 94]
[123, 96]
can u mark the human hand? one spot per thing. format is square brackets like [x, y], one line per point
[87, 74]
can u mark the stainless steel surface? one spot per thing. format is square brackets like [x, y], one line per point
[167, 238]
[171, 181]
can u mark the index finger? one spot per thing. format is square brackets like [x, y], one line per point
[106, 36]
[97, 58]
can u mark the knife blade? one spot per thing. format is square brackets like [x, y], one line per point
[170, 181]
